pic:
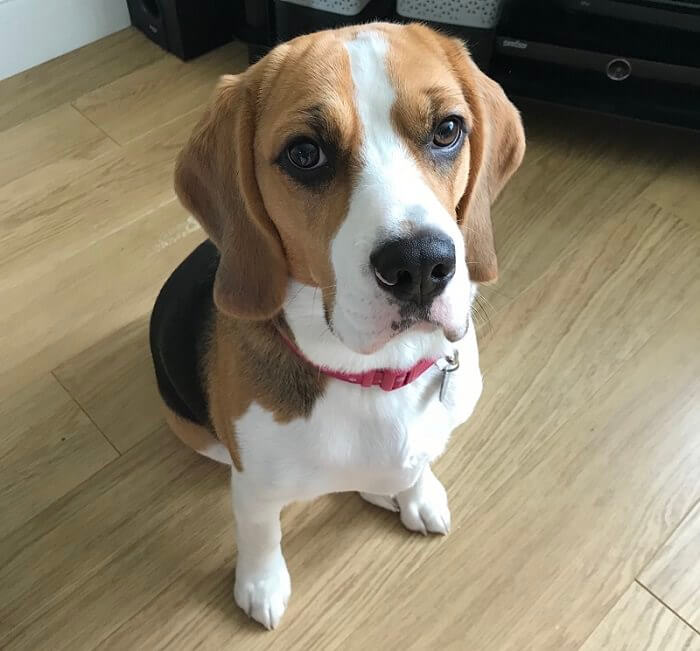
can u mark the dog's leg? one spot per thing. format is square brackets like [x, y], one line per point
[424, 507]
[262, 586]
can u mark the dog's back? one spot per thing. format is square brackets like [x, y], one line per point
[179, 329]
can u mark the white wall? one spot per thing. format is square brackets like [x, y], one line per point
[34, 31]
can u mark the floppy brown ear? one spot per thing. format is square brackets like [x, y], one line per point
[496, 149]
[215, 180]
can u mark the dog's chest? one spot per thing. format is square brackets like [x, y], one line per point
[358, 439]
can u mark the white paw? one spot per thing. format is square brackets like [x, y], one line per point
[424, 506]
[383, 501]
[263, 591]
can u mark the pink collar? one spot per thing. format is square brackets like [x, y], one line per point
[387, 379]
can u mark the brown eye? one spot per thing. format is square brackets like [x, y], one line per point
[447, 132]
[306, 155]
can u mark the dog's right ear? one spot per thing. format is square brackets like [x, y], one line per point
[215, 180]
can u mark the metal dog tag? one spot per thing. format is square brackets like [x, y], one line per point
[450, 363]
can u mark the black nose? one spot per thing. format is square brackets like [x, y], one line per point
[415, 268]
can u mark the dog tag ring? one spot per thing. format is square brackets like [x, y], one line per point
[450, 365]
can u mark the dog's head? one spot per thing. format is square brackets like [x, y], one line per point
[362, 161]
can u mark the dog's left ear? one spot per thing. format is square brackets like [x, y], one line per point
[496, 149]
[215, 180]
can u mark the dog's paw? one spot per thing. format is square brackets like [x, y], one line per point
[424, 507]
[382, 501]
[263, 591]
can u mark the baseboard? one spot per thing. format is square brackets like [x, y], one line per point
[34, 31]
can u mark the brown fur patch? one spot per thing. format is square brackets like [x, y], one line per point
[307, 219]
[249, 362]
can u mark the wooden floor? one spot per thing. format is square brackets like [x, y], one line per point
[574, 489]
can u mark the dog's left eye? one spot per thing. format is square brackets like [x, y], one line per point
[447, 132]
[306, 155]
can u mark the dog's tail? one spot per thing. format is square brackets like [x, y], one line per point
[199, 438]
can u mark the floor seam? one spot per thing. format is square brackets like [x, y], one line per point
[672, 533]
[85, 411]
[695, 228]
[605, 614]
[666, 606]
[94, 124]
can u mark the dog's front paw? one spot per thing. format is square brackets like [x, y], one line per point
[263, 590]
[424, 507]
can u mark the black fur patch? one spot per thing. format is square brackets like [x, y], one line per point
[180, 326]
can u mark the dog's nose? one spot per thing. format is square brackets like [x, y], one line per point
[416, 268]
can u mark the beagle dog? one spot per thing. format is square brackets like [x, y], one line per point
[321, 339]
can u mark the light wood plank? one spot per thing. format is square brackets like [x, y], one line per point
[674, 573]
[46, 218]
[73, 573]
[551, 350]
[572, 180]
[48, 446]
[61, 134]
[40, 89]
[677, 188]
[113, 381]
[159, 92]
[638, 622]
[55, 312]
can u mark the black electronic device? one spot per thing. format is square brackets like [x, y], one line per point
[601, 55]
[187, 28]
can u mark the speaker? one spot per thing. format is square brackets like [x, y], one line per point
[256, 27]
[187, 28]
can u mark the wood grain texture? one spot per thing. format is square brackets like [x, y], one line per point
[112, 547]
[51, 214]
[573, 329]
[638, 622]
[48, 446]
[159, 92]
[674, 573]
[572, 180]
[60, 135]
[578, 465]
[677, 189]
[113, 381]
[64, 79]
[55, 312]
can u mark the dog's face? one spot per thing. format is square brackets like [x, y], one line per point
[361, 161]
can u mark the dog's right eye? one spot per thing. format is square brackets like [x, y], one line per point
[306, 155]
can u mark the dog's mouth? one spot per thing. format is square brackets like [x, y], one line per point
[410, 316]
[419, 319]
[428, 319]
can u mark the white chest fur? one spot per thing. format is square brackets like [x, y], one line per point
[359, 439]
